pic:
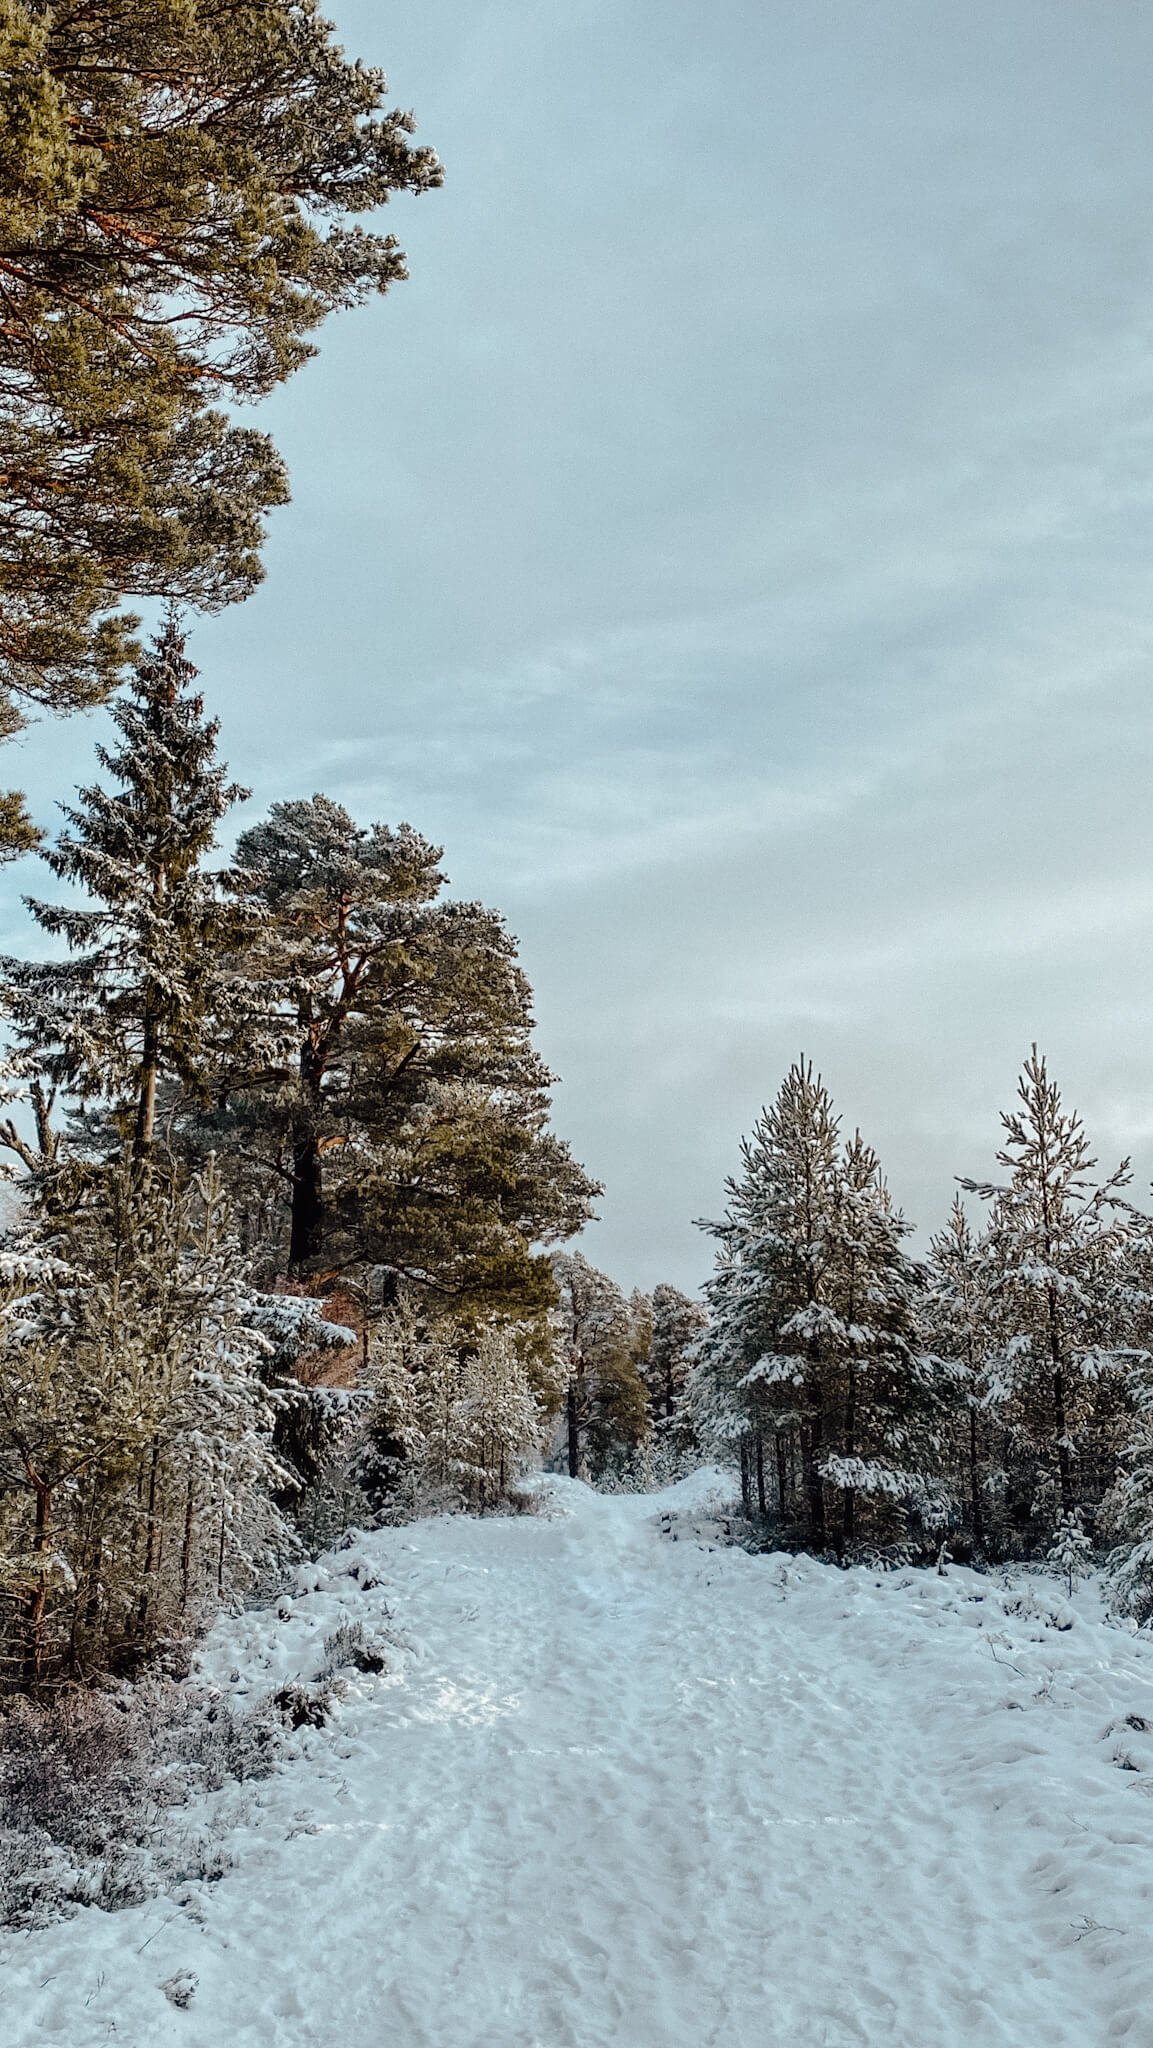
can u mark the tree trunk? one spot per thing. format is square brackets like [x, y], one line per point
[782, 1473]
[574, 1435]
[146, 1097]
[849, 1508]
[814, 1485]
[975, 1481]
[1060, 1418]
[151, 1562]
[761, 1473]
[307, 1195]
[186, 1547]
[38, 1598]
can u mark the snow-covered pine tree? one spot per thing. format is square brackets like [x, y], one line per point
[454, 1419]
[812, 1339]
[142, 995]
[754, 1378]
[136, 1469]
[1060, 1246]
[956, 1322]
[606, 1404]
[500, 1418]
[678, 1324]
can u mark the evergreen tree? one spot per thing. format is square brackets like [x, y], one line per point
[175, 186]
[136, 1468]
[1060, 1247]
[605, 1400]
[143, 995]
[454, 1419]
[678, 1324]
[407, 1119]
[957, 1322]
[1070, 1552]
[812, 1338]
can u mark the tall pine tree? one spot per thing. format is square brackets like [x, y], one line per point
[812, 1341]
[143, 994]
[405, 1123]
[1059, 1246]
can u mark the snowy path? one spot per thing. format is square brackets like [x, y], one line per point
[634, 1792]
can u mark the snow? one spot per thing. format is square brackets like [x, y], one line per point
[620, 1786]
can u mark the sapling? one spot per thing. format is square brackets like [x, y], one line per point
[1070, 1550]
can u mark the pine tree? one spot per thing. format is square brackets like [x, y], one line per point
[1070, 1552]
[406, 1119]
[500, 1417]
[813, 1338]
[957, 1322]
[136, 1466]
[454, 1419]
[1059, 1246]
[143, 995]
[176, 181]
[605, 1399]
[678, 1323]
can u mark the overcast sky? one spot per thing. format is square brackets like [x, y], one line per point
[735, 545]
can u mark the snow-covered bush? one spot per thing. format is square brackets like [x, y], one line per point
[90, 1785]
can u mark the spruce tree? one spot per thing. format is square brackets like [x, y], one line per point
[143, 995]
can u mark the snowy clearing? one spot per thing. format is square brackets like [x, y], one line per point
[620, 1789]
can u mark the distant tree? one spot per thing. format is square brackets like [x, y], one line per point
[678, 1323]
[175, 183]
[143, 995]
[454, 1420]
[605, 1402]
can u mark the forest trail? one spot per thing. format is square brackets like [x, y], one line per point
[624, 1789]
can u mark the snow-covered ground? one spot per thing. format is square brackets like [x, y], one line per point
[619, 1789]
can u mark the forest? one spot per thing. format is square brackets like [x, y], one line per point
[285, 1243]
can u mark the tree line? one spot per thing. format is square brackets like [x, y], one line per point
[996, 1395]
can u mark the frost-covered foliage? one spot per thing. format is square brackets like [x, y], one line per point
[136, 1463]
[678, 1324]
[956, 1321]
[454, 1421]
[89, 1785]
[813, 1349]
